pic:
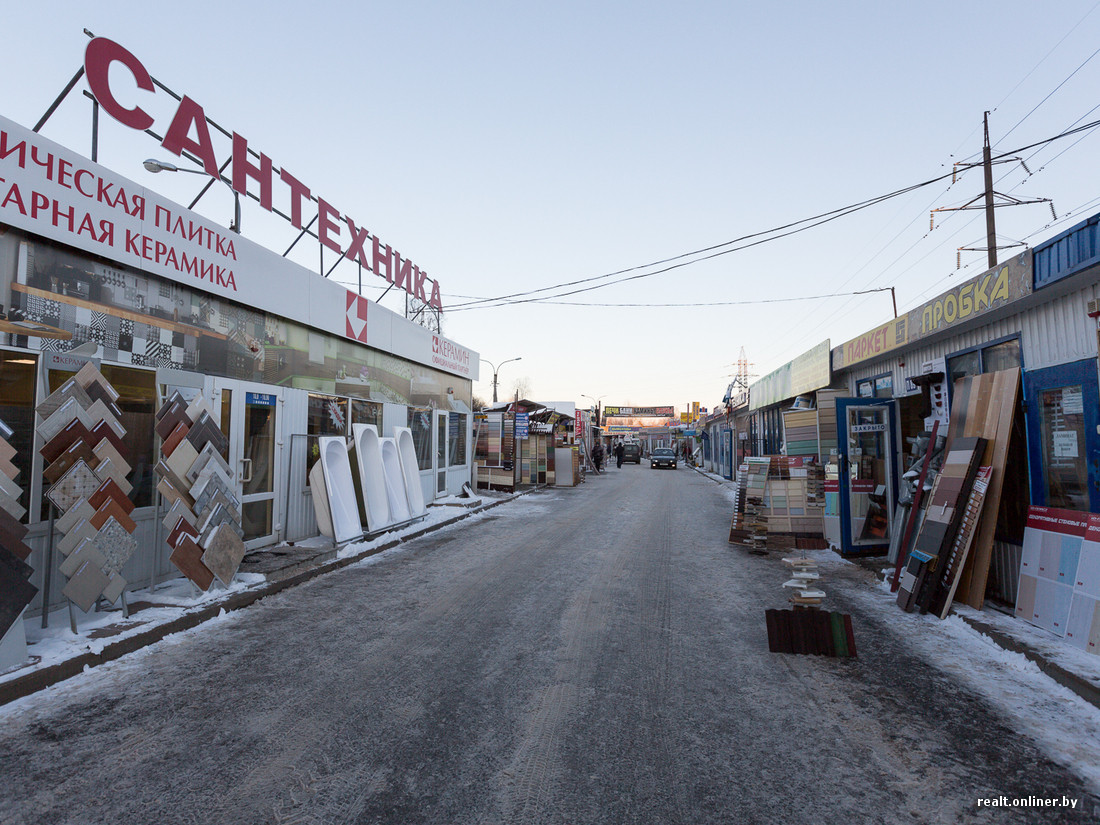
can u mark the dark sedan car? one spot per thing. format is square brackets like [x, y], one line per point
[662, 457]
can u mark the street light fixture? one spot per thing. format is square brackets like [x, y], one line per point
[496, 369]
[596, 402]
[155, 166]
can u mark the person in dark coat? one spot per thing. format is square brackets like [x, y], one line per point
[620, 450]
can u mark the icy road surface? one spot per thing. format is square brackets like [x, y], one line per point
[586, 655]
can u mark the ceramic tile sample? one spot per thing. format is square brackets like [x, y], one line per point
[177, 511]
[80, 451]
[9, 487]
[79, 482]
[181, 528]
[105, 451]
[218, 516]
[181, 459]
[115, 585]
[224, 551]
[13, 563]
[15, 594]
[172, 419]
[219, 499]
[88, 373]
[187, 557]
[116, 545]
[109, 489]
[83, 530]
[172, 493]
[199, 406]
[61, 418]
[211, 478]
[175, 399]
[87, 552]
[101, 431]
[85, 586]
[111, 509]
[101, 412]
[73, 432]
[175, 437]
[206, 455]
[106, 469]
[74, 515]
[12, 506]
[12, 533]
[69, 390]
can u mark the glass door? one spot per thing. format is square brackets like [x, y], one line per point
[868, 451]
[251, 421]
[440, 432]
[1064, 446]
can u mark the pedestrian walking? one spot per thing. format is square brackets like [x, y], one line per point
[620, 450]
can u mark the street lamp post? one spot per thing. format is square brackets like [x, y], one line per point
[161, 166]
[496, 369]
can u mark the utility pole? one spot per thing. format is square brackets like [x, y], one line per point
[990, 201]
[990, 221]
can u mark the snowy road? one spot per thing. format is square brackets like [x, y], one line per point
[587, 655]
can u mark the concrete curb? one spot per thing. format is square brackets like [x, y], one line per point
[42, 678]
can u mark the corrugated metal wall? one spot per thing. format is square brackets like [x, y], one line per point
[300, 520]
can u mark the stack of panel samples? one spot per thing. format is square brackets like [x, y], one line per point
[16, 590]
[196, 483]
[951, 516]
[86, 470]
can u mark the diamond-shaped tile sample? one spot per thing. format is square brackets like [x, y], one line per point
[89, 373]
[69, 390]
[173, 494]
[13, 563]
[74, 432]
[181, 528]
[9, 487]
[79, 482]
[61, 418]
[177, 511]
[112, 509]
[103, 431]
[77, 513]
[218, 515]
[198, 406]
[85, 586]
[172, 418]
[187, 556]
[101, 412]
[223, 554]
[12, 506]
[12, 533]
[115, 585]
[181, 459]
[211, 478]
[15, 594]
[116, 544]
[110, 489]
[89, 550]
[207, 455]
[219, 499]
[175, 400]
[7, 452]
[105, 451]
[80, 451]
[106, 469]
[83, 530]
[175, 437]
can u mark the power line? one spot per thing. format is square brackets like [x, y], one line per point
[731, 246]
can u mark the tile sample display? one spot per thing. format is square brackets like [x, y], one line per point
[79, 482]
[196, 482]
[85, 586]
[1053, 544]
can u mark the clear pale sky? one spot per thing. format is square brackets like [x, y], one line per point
[509, 147]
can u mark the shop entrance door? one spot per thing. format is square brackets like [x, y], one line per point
[252, 421]
[868, 449]
[1063, 444]
[440, 433]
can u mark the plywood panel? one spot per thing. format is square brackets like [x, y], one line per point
[984, 406]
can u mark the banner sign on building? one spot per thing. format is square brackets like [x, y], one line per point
[638, 412]
[522, 425]
[872, 344]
